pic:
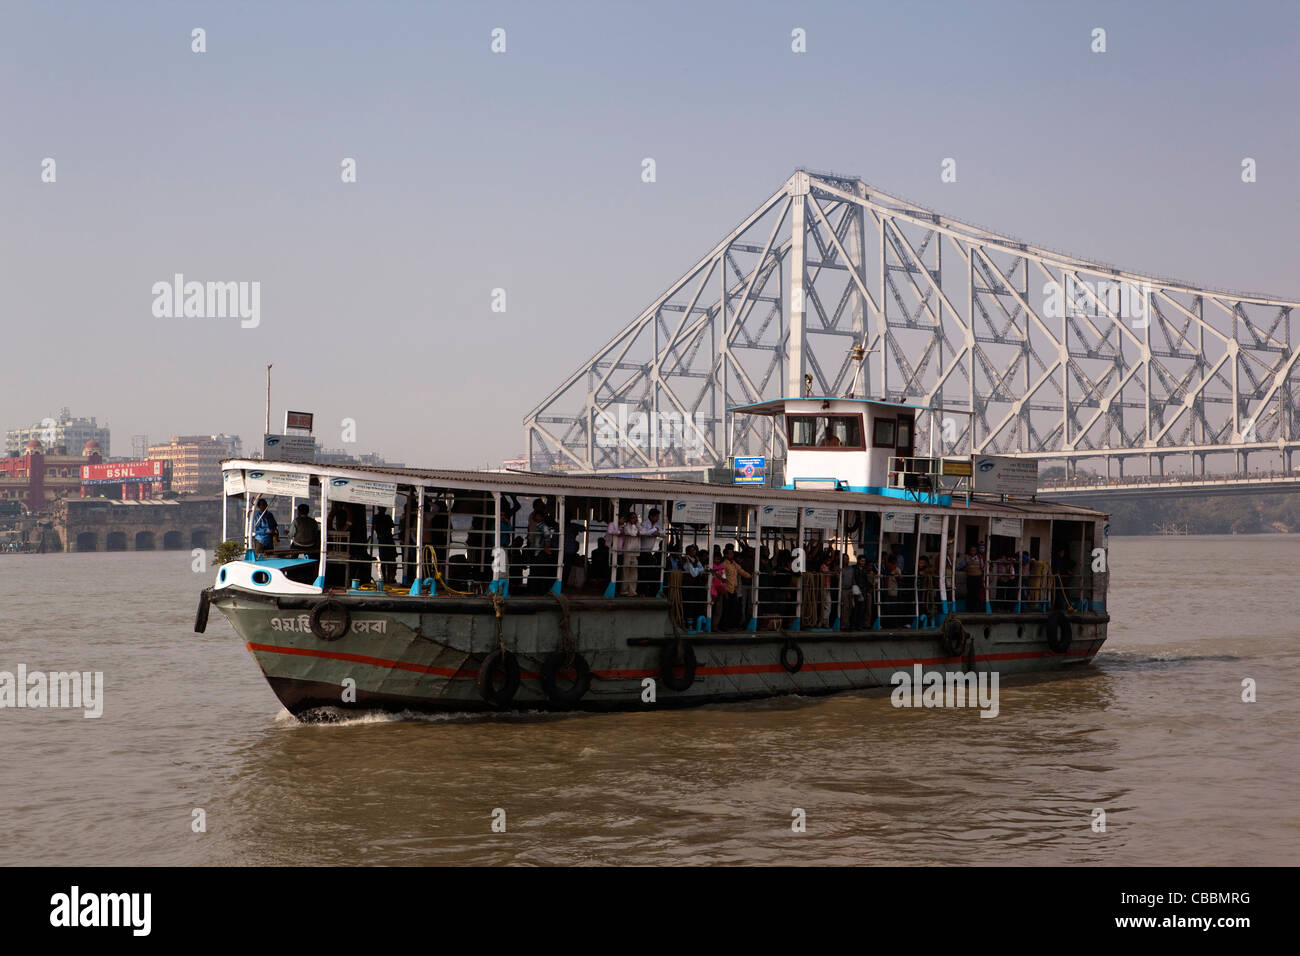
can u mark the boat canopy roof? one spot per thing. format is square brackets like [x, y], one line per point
[653, 489]
[776, 406]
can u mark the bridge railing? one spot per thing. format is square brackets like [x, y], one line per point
[1101, 481]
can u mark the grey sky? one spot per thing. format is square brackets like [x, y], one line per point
[522, 171]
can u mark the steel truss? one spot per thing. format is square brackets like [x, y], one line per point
[1041, 353]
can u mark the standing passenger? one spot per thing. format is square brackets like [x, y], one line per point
[651, 534]
[265, 529]
[381, 526]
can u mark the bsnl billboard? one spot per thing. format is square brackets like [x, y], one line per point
[125, 473]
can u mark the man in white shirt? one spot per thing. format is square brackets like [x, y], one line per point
[629, 530]
[651, 533]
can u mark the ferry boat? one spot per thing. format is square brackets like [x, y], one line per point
[549, 591]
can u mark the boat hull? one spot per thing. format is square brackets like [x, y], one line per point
[425, 654]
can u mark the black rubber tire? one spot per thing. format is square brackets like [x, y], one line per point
[668, 662]
[326, 630]
[786, 648]
[487, 688]
[557, 661]
[1057, 628]
[953, 638]
[201, 615]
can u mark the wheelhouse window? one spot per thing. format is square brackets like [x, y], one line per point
[883, 435]
[824, 431]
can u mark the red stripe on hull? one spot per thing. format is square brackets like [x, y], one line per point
[640, 673]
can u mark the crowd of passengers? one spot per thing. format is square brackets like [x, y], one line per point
[856, 593]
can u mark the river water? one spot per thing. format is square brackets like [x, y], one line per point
[1155, 734]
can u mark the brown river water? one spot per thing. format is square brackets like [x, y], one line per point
[1154, 733]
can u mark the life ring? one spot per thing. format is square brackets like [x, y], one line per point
[330, 620]
[1058, 632]
[953, 637]
[201, 615]
[668, 663]
[487, 687]
[554, 663]
[786, 648]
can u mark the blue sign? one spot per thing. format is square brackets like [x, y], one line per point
[749, 471]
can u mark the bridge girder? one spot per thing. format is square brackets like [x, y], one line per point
[1038, 353]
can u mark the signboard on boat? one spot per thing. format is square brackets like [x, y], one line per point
[899, 522]
[278, 483]
[233, 481]
[931, 524]
[1004, 476]
[299, 421]
[779, 516]
[693, 511]
[288, 448]
[375, 493]
[827, 519]
[749, 471]
[1007, 527]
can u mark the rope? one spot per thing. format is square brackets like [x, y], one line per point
[1056, 580]
[499, 606]
[676, 610]
[437, 574]
[567, 645]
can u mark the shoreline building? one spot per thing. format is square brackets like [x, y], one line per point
[36, 479]
[63, 435]
[196, 460]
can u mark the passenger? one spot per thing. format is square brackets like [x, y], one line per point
[338, 530]
[824, 568]
[543, 564]
[890, 593]
[718, 588]
[863, 589]
[360, 560]
[651, 535]
[535, 521]
[517, 564]
[575, 565]
[830, 441]
[266, 534]
[926, 591]
[975, 578]
[1062, 580]
[900, 559]
[733, 618]
[629, 550]
[599, 565]
[304, 537]
[693, 581]
[510, 507]
[381, 526]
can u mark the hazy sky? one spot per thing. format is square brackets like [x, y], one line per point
[522, 171]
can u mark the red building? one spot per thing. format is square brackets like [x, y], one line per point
[36, 479]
